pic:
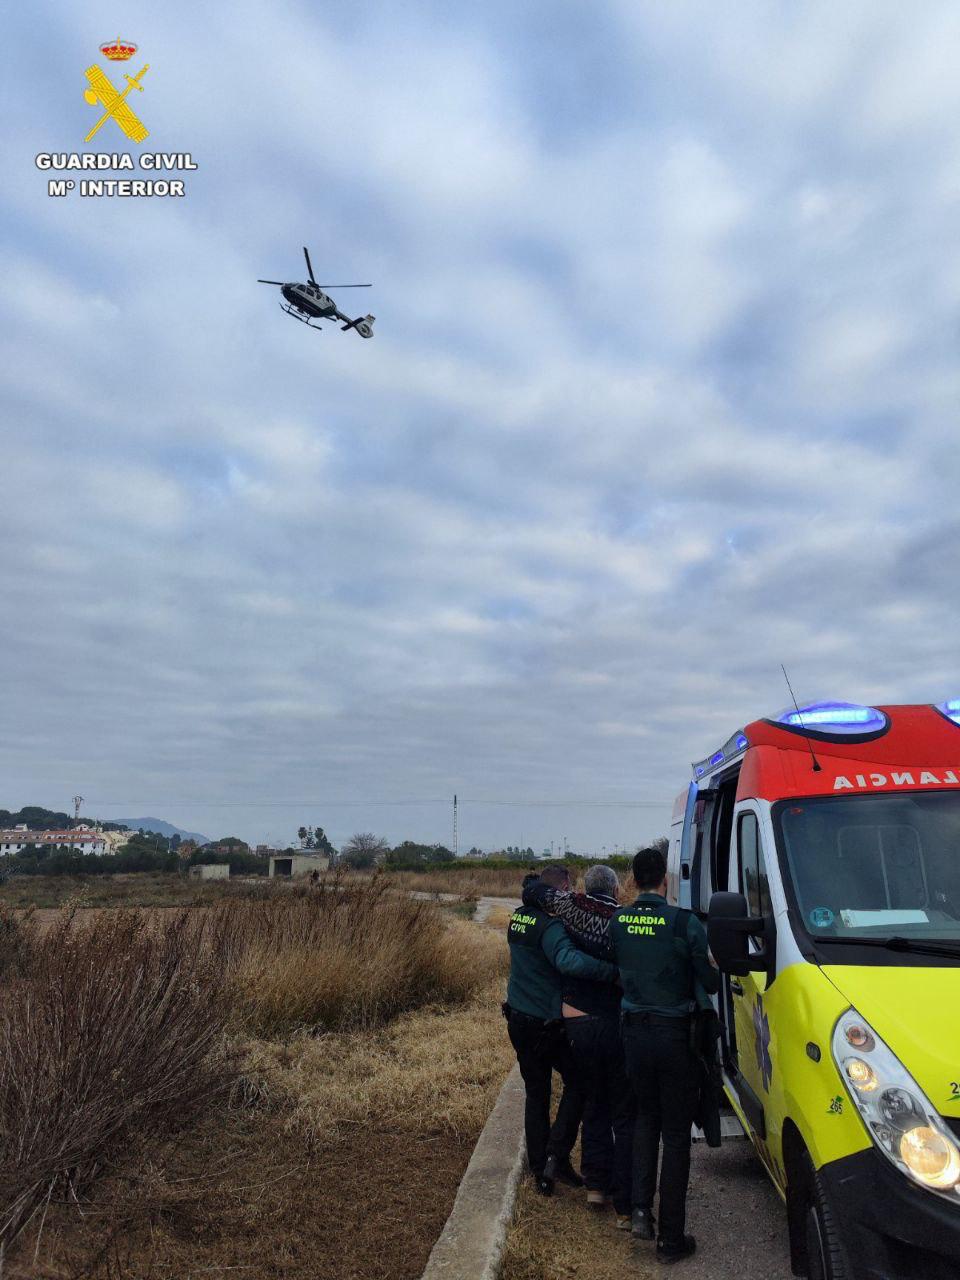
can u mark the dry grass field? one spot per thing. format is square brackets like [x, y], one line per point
[472, 882]
[139, 889]
[469, 882]
[287, 1085]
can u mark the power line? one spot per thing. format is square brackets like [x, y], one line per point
[331, 804]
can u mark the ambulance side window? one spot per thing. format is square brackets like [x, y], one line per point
[753, 868]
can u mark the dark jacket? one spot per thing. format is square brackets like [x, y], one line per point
[541, 956]
[660, 964]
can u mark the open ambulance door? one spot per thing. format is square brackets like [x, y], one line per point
[711, 830]
[745, 1038]
[714, 868]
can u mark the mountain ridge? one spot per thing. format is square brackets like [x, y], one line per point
[161, 828]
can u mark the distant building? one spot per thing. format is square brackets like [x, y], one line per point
[224, 848]
[211, 871]
[115, 840]
[294, 865]
[79, 840]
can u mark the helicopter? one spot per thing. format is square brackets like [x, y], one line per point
[308, 302]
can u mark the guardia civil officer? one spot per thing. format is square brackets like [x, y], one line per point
[661, 951]
[540, 952]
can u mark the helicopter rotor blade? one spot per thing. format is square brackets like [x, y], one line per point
[309, 267]
[345, 286]
[277, 282]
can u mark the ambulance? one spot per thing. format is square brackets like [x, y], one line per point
[822, 849]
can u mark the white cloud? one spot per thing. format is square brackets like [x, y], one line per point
[662, 394]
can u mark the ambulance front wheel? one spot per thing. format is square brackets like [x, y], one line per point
[825, 1259]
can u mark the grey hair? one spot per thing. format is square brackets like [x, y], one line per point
[601, 879]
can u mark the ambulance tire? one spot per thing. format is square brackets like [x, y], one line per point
[825, 1256]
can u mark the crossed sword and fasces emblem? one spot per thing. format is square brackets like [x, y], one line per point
[115, 104]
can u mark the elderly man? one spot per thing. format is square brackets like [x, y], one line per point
[591, 1019]
[542, 957]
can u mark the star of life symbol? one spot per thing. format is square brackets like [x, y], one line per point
[115, 105]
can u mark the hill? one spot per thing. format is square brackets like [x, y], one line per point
[161, 828]
[36, 818]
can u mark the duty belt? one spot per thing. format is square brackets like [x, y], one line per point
[645, 1017]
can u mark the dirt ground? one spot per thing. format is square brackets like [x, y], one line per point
[733, 1211]
[337, 1156]
[244, 1196]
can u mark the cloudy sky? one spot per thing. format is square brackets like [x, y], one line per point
[663, 393]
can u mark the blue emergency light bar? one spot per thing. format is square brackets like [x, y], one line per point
[950, 709]
[733, 747]
[833, 718]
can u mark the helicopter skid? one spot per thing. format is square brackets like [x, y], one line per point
[297, 315]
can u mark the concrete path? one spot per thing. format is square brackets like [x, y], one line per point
[486, 905]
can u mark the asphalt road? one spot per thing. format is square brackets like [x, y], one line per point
[736, 1215]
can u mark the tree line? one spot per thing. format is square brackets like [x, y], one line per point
[151, 851]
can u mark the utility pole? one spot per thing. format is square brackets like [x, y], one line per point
[456, 830]
[77, 802]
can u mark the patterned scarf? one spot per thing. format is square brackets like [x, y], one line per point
[585, 916]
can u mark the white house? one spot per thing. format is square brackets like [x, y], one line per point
[79, 839]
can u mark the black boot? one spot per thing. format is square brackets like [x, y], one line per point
[675, 1251]
[544, 1182]
[643, 1225]
[555, 1169]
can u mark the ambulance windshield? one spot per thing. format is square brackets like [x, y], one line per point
[876, 866]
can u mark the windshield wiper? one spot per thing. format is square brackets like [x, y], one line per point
[899, 943]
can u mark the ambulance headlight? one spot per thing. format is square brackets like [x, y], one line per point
[861, 1075]
[897, 1114]
[930, 1157]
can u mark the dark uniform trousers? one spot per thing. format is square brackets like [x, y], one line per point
[608, 1119]
[541, 1048]
[665, 1078]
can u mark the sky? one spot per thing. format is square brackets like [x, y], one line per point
[662, 394]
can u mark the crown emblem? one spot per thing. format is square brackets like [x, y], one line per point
[118, 50]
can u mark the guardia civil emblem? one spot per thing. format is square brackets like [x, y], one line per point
[114, 102]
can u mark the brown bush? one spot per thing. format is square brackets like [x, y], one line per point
[16, 939]
[112, 1022]
[112, 1031]
[340, 955]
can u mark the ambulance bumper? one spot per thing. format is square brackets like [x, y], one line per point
[891, 1228]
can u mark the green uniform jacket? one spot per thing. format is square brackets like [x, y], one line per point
[660, 968]
[540, 951]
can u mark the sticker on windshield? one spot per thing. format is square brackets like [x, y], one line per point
[855, 919]
[821, 917]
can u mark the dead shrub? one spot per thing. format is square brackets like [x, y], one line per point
[16, 939]
[112, 1023]
[114, 1030]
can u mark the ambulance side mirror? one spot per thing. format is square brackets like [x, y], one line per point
[729, 926]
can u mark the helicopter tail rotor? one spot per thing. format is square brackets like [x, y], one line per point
[363, 326]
